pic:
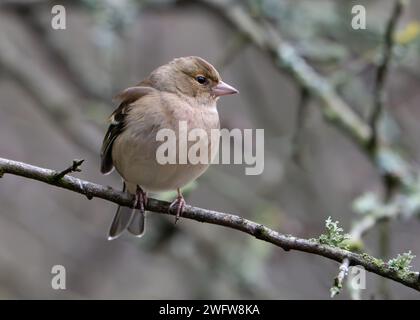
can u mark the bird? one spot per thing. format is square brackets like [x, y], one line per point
[185, 89]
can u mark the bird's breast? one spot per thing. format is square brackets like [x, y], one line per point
[195, 132]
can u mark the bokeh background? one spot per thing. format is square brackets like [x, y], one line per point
[55, 96]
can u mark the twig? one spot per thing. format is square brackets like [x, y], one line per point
[382, 73]
[366, 223]
[338, 281]
[384, 244]
[259, 231]
[74, 167]
[300, 120]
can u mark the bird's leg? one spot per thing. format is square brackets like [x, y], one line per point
[179, 203]
[141, 199]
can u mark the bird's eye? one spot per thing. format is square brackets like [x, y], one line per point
[201, 80]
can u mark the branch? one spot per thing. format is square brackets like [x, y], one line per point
[363, 225]
[74, 167]
[382, 73]
[259, 231]
[338, 281]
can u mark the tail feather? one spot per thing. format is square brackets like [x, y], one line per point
[121, 221]
[136, 226]
[127, 218]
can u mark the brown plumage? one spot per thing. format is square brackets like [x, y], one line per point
[185, 89]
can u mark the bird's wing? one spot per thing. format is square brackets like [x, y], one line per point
[117, 122]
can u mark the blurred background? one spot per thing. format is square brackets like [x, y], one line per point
[56, 89]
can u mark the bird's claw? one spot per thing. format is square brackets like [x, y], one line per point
[179, 204]
[141, 199]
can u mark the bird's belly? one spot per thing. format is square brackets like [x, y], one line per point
[141, 167]
[154, 177]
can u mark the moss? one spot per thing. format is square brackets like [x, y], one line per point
[335, 289]
[334, 235]
[379, 263]
[402, 263]
[353, 245]
[260, 231]
[53, 179]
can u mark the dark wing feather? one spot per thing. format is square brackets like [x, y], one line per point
[117, 125]
[106, 152]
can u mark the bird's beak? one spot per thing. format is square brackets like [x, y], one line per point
[223, 89]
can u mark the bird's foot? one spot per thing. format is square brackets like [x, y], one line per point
[179, 205]
[141, 199]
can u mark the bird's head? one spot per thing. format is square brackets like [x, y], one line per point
[193, 77]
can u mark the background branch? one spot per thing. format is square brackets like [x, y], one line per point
[379, 97]
[338, 281]
[394, 170]
[382, 72]
[286, 58]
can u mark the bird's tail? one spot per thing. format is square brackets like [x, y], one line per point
[136, 226]
[131, 219]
